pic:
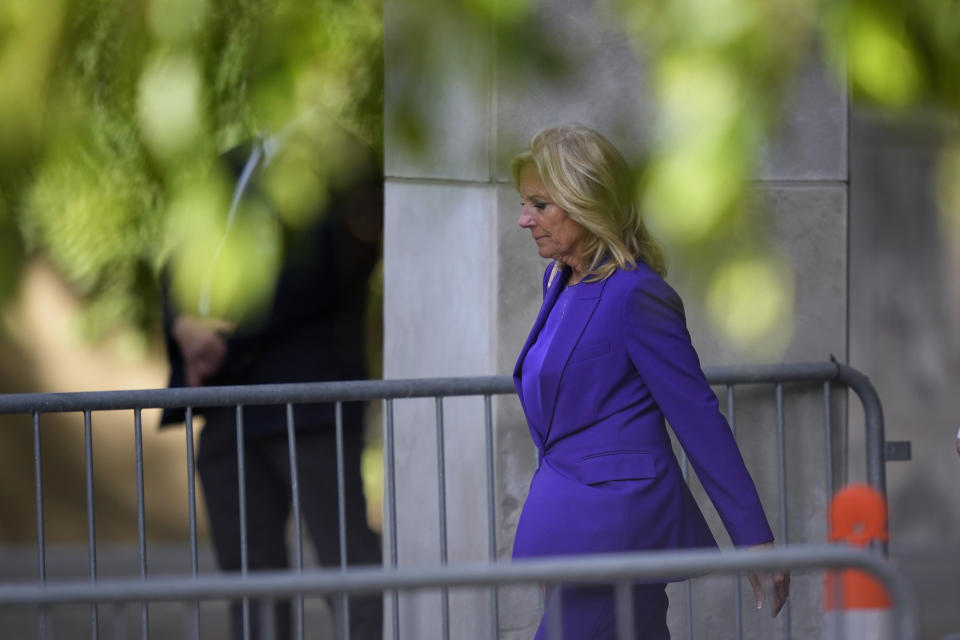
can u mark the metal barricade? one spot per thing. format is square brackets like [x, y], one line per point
[828, 374]
[620, 570]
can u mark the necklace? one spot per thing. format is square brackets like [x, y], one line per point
[566, 299]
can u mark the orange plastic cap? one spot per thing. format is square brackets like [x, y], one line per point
[858, 516]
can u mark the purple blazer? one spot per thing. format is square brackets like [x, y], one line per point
[621, 361]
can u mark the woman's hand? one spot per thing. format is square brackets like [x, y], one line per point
[777, 584]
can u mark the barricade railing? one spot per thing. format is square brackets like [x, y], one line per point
[828, 374]
[621, 570]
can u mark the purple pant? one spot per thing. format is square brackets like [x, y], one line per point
[588, 612]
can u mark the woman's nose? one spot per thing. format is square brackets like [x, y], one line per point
[526, 220]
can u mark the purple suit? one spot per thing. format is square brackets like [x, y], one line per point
[620, 361]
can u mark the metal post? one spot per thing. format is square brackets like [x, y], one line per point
[687, 584]
[626, 624]
[442, 509]
[91, 518]
[737, 594]
[242, 494]
[873, 416]
[141, 519]
[297, 524]
[491, 514]
[41, 535]
[392, 513]
[119, 621]
[828, 428]
[192, 516]
[342, 519]
[268, 619]
[555, 612]
[782, 470]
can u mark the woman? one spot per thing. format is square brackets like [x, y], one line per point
[608, 359]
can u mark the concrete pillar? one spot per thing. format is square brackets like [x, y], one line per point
[904, 314]
[462, 288]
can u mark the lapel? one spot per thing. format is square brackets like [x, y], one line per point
[549, 299]
[583, 302]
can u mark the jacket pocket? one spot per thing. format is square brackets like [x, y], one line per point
[621, 465]
[589, 351]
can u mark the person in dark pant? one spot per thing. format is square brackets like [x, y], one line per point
[312, 331]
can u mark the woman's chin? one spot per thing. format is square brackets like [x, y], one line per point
[545, 253]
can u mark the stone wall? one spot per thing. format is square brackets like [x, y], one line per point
[462, 288]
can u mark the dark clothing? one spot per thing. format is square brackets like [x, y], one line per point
[268, 506]
[314, 328]
[312, 331]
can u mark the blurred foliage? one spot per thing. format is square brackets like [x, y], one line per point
[444, 50]
[720, 76]
[721, 71]
[113, 115]
[763, 285]
[898, 54]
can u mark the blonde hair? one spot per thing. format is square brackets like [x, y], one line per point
[588, 178]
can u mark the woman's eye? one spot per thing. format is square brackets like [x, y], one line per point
[540, 205]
